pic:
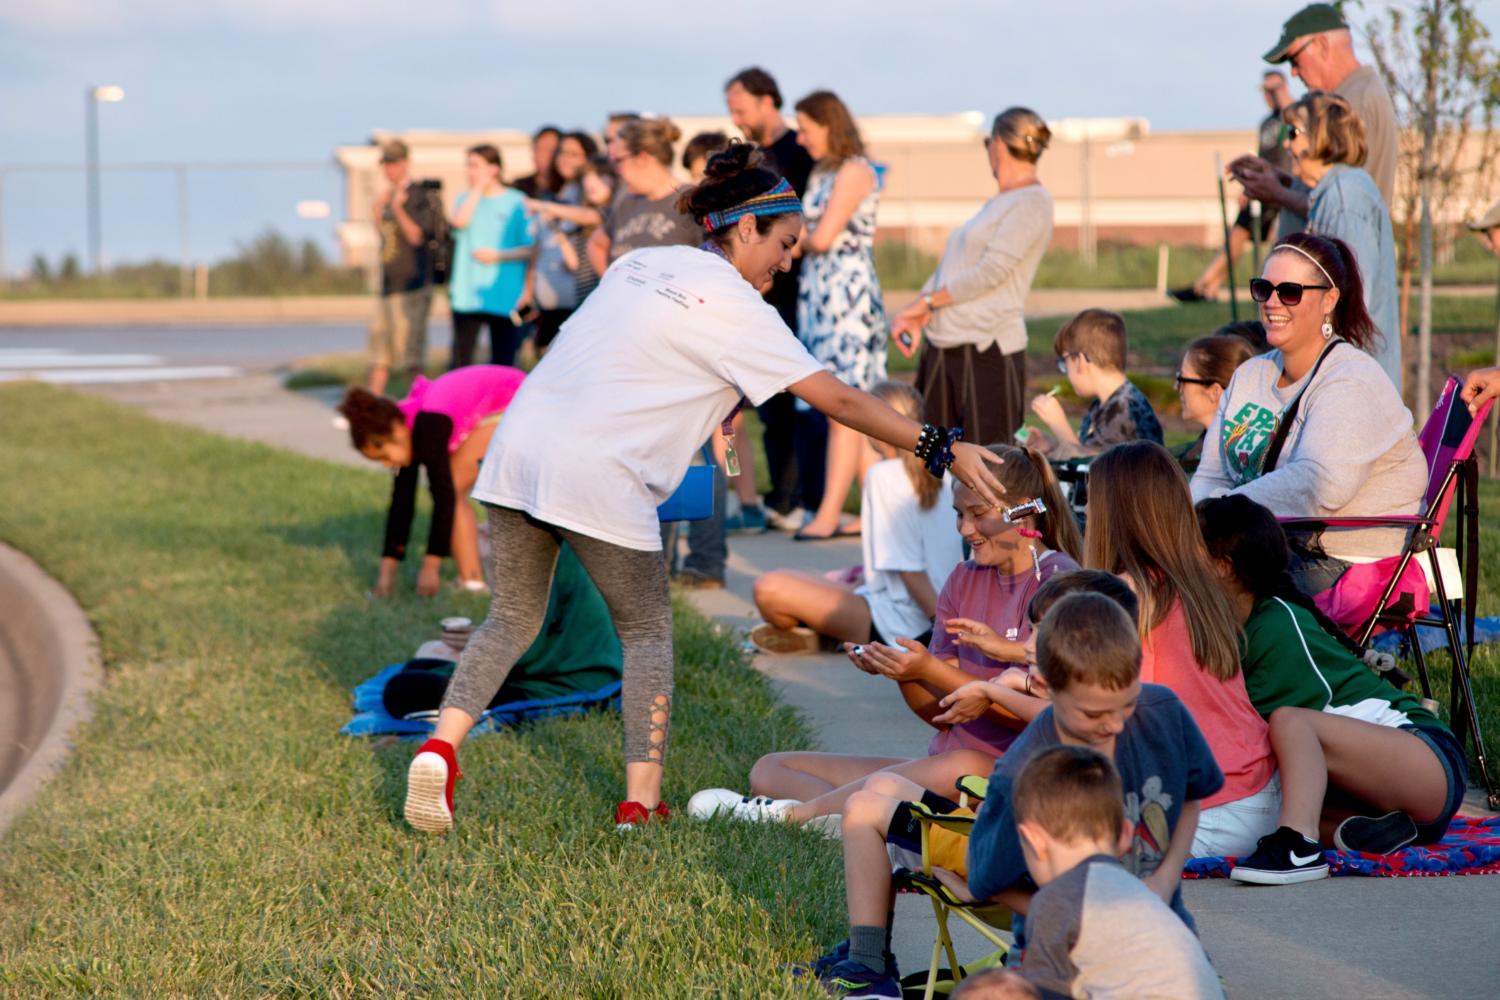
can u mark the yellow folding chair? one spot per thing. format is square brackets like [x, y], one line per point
[987, 918]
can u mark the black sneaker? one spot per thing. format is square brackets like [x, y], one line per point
[1282, 858]
[1186, 294]
[1375, 834]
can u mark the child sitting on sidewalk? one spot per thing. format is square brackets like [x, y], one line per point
[1330, 715]
[1091, 352]
[1094, 929]
[1089, 661]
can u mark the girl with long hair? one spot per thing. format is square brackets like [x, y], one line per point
[1331, 716]
[980, 631]
[561, 276]
[1141, 526]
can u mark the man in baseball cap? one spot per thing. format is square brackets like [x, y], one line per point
[1316, 43]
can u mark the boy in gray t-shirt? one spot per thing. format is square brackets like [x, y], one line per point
[1093, 928]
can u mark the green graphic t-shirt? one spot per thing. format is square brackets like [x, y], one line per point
[1244, 437]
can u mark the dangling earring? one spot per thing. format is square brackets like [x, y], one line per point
[1327, 328]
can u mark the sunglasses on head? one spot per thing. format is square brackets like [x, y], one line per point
[1289, 292]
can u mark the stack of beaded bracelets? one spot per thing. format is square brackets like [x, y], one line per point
[935, 447]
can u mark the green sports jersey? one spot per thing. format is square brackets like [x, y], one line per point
[1290, 660]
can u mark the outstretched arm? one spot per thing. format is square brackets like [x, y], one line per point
[862, 412]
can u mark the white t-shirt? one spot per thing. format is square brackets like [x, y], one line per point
[603, 429]
[899, 536]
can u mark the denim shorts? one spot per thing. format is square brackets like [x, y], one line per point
[1455, 768]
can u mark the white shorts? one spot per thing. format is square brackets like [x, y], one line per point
[1231, 829]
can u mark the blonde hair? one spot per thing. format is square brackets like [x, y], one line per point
[907, 401]
[1141, 525]
[1335, 132]
[654, 136]
[1022, 132]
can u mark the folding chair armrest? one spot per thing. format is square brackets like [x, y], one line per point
[974, 786]
[1388, 521]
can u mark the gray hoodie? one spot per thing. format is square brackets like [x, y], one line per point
[1351, 451]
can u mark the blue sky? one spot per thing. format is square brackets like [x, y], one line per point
[217, 80]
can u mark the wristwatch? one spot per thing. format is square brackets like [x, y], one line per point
[927, 301]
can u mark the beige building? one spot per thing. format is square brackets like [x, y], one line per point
[1111, 179]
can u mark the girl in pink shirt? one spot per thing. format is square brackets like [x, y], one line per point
[1141, 526]
[445, 425]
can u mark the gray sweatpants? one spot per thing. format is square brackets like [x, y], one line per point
[633, 584]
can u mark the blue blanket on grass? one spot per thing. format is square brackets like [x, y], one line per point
[371, 718]
[1434, 639]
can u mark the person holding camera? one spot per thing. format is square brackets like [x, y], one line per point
[601, 433]
[405, 217]
[491, 253]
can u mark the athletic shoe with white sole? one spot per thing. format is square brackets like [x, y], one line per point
[1375, 834]
[429, 787]
[1282, 858]
[713, 802]
[853, 981]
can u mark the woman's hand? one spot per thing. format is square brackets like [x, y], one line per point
[906, 328]
[1480, 387]
[971, 466]
[485, 255]
[428, 580]
[908, 662]
[964, 703]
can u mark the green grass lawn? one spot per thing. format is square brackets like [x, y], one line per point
[213, 835]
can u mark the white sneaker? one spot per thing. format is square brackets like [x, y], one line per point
[713, 802]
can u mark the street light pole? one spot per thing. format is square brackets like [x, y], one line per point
[91, 174]
[91, 98]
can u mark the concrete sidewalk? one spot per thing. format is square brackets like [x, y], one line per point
[1346, 937]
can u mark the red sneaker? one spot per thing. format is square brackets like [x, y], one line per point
[429, 787]
[629, 815]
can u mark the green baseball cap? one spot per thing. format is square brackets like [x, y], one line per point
[1313, 19]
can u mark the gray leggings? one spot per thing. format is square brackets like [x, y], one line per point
[634, 585]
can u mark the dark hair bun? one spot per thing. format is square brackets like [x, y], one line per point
[731, 176]
[370, 416]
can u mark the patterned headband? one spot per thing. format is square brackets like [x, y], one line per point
[1320, 267]
[780, 200]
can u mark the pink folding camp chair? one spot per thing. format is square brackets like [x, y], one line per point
[1391, 594]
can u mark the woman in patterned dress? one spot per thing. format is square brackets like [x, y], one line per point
[840, 314]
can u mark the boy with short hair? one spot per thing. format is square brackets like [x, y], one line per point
[1091, 352]
[1089, 660]
[1094, 929]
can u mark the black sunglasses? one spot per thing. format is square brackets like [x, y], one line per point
[1182, 380]
[1289, 292]
[1292, 56]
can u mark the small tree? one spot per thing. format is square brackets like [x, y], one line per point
[41, 271]
[1436, 59]
[70, 271]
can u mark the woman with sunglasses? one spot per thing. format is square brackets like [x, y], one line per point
[1327, 141]
[1314, 428]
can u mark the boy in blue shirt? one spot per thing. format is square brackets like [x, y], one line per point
[1089, 659]
[1089, 656]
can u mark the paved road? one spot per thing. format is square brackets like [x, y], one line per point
[253, 348]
